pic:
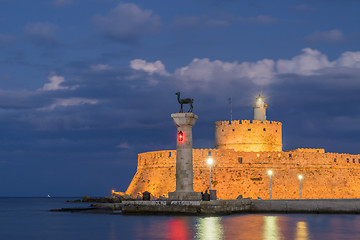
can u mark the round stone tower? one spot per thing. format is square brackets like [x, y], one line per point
[258, 135]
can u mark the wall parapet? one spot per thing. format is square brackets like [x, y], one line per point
[230, 158]
[238, 122]
[319, 150]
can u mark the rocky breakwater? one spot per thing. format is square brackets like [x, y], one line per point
[328, 206]
[218, 207]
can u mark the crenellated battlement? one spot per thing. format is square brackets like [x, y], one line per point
[319, 150]
[237, 122]
[230, 158]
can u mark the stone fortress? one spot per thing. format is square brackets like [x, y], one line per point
[244, 153]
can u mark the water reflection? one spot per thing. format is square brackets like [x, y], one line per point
[178, 230]
[246, 226]
[301, 231]
[271, 228]
[209, 228]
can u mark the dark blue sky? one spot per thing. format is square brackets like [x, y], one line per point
[86, 85]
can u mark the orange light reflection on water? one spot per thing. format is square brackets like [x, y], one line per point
[270, 228]
[250, 227]
[209, 228]
[301, 231]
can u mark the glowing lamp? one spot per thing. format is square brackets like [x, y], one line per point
[210, 161]
[269, 172]
[259, 98]
[300, 177]
[181, 136]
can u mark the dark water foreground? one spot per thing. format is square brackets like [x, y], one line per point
[29, 218]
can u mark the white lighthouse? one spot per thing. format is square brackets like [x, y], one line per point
[260, 109]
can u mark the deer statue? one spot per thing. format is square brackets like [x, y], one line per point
[189, 101]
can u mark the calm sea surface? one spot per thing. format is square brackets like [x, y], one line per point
[29, 218]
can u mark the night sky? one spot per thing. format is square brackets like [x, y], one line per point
[86, 85]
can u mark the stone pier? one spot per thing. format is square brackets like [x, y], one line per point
[184, 161]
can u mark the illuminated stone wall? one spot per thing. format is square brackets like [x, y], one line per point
[249, 136]
[325, 175]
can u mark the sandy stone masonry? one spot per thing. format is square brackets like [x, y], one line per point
[326, 175]
[249, 136]
[184, 159]
[244, 152]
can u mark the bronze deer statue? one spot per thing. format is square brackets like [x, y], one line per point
[189, 101]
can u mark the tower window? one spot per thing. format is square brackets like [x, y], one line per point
[334, 159]
[353, 160]
[233, 130]
[169, 154]
[275, 130]
[209, 153]
[264, 129]
[359, 160]
[249, 129]
[347, 160]
[290, 155]
[240, 160]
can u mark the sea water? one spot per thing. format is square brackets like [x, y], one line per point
[30, 218]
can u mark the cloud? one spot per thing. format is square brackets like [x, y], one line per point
[63, 3]
[70, 102]
[349, 60]
[306, 63]
[205, 73]
[149, 67]
[127, 22]
[333, 36]
[56, 84]
[43, 31]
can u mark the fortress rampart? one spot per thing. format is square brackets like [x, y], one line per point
[326, 175]
[244, 152]
[249, 136]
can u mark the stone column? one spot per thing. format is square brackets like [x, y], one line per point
[184, 161]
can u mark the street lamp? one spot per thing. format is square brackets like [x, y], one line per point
[270, 173]
[300, 177]
[210, 161]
